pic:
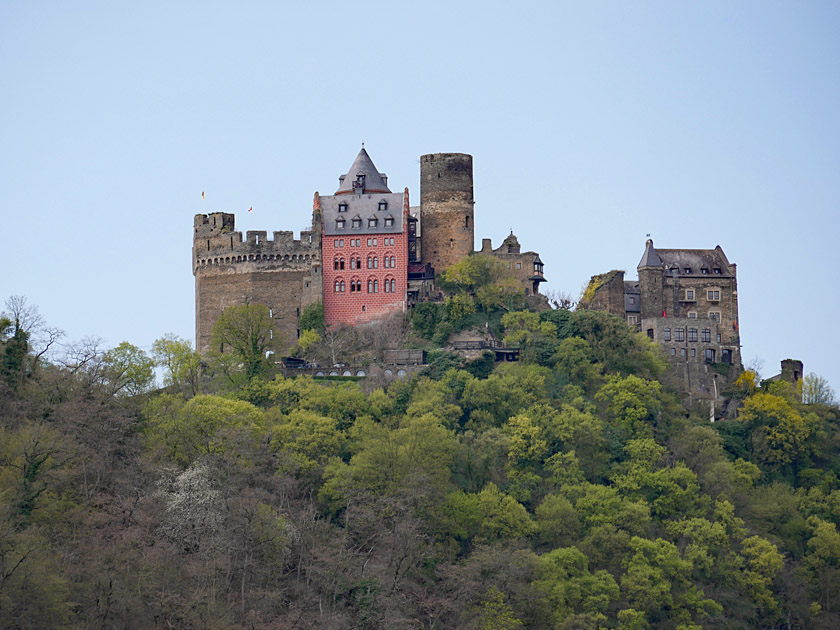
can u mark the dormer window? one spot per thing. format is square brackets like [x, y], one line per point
[339, 224]
[359, 184]
[372, 223]
[357, 223]
[687, 270]
[342, 207]
[704, 271]
[717, 271]
[389, 221]
[383, 205]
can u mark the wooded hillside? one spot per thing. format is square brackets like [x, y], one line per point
[569, 490]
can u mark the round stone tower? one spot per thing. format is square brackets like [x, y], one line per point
[446, 208]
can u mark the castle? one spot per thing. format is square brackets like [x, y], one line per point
[687, 301]
[368, 254]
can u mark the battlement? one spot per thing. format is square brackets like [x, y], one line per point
[217, 242]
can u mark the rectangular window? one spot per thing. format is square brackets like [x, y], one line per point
[715, 315]
[341, 242]
[679, 334]
[667, 334]
[713, 296]
[682, 352]
[673, 352]
[689, 295]
[335, 243]
[707, 335]
[692, 315]
[631, 319]
[710, 355]
[718, 337]
[693, 352]
[692, 334]
[632, 300]
[519, 265]
[650, 333]
[374, 241]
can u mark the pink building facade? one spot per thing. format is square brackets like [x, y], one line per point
[364, 246]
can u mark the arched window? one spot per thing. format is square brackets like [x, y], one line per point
[341, 263]
[337, 285]
[370, 286]
[393, 285]
[375, 262]
[342, 286]
[335, 263]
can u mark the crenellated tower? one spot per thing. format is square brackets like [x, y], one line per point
[280, 272]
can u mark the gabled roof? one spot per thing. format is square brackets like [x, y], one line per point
[375, 182]
[690, 262]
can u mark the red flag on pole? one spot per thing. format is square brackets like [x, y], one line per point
[202, 195]
[250, 209]
[664, 314]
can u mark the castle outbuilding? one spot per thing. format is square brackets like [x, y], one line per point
[686, 300]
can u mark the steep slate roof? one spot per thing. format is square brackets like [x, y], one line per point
[363, 207]
[694, 259]
[650, 258]
[375, 182]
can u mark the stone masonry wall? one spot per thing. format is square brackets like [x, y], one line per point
[447, 208]
[607, 293]
[282, 273]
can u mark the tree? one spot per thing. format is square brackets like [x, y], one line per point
[200, 427]
[816, 390]
[24, 340]
[127, 370]
[536, 339]
[779, 433]
[181, 362]
[247, 333]
[312, 317]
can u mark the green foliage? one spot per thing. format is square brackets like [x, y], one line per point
[312, 317]
[631, 404]
[241, 339]
[495, 613]
[426, 317]
[181, 363]
[203, 426]
[570, 588]
[563, 491]
[779, 431]
[817, 391]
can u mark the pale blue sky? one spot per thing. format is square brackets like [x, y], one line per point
[591, 124]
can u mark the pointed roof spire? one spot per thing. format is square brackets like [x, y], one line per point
[650, 258]
[362, 177]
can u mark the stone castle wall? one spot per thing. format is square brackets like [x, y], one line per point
[282, 273]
